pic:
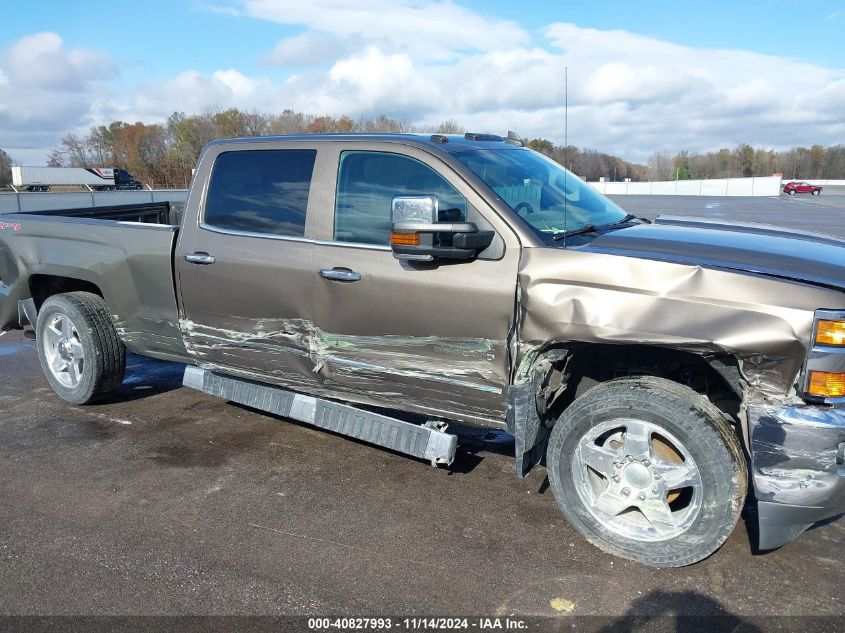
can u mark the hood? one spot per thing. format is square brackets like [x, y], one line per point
[752, 248]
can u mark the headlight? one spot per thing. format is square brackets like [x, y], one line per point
[830, 332]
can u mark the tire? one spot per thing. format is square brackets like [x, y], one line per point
[679, 496]
[80, 353]
[816, 192]
[791, 192]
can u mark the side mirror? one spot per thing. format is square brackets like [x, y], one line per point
[417, 235]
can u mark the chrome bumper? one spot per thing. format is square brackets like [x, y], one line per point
[797, 455]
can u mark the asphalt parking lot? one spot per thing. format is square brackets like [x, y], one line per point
[820, 214]
[166, 501]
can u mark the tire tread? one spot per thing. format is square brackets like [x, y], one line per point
[669, 399]
[109, 355]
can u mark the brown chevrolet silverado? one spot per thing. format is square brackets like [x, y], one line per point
[382, 286]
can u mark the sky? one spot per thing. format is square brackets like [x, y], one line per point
[642, 76]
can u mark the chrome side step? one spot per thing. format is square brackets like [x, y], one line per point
[426, 441]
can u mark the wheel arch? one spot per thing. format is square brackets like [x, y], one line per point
[552, 376]
[42, 287]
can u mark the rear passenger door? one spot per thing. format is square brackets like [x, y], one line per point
[421, 337]
[245, 270]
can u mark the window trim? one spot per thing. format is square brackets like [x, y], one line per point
[290, 238]
[202, 224]
[345, 150]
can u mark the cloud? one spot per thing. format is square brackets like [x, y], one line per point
[40, 60]
[426, 30]
[192, 92]
[310, 49]
[217, 8]
[47, 90]
[425, 62]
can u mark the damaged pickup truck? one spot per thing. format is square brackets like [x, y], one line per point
[381, 286]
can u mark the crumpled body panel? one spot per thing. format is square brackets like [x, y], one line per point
[591, 297]
[311, 359]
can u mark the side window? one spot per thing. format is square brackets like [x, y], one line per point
[260, 191]
[367, 182]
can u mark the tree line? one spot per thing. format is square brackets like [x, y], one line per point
[163, 154]
[807, 163]
[798, 163]
[589, 164]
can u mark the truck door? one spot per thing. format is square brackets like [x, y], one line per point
[245, 271]
[429, 338]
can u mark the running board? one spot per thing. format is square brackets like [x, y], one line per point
[427, 441]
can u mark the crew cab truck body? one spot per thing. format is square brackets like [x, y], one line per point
[653, 367]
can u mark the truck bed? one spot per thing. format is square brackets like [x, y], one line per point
[124, 253]
[165, 213]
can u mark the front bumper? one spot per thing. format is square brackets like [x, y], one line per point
[797, 455]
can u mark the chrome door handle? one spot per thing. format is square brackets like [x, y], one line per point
[339, 275]
[199, 258]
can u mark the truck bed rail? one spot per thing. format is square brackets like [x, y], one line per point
[147, 213]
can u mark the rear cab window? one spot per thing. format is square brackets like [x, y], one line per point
[260, 191]
[368, 181]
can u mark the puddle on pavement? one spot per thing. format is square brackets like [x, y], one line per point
[143, 370]
[491, 437]
[198, 450]
[16, 347]
[147, 377]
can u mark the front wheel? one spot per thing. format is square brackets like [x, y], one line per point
[791, 192]
[80, 352]
[816, 192]
[649, 470]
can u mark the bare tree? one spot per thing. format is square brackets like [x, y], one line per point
[660, 167]
[256, 123]
[5, 169]
[56, 159]
[75, 150]
[383, 124]
[450, 126]
[290, 122]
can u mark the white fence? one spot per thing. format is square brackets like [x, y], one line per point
[762, 186]
[24, 202]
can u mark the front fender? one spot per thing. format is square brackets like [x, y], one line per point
[765, 323]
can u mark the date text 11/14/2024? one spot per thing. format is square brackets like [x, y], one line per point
[417, 624]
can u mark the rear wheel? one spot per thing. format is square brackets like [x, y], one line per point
[649, 470]
[80, 352]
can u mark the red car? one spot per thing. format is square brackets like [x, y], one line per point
[801, 187]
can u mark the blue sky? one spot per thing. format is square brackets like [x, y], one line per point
[643, 76]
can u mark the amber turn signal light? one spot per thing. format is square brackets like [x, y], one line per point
[827, 384]
[405, 239]
[830, 332]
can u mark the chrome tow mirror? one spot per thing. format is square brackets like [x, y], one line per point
[416, 233]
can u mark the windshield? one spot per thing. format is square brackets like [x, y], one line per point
[549, 198]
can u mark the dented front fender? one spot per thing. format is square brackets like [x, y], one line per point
[765, 323]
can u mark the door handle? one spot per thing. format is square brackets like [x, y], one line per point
[199, 258]
[336, 274]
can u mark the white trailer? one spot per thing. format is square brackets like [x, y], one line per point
[98, 178]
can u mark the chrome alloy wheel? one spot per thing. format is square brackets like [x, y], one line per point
[64, 352]
[637, 480]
